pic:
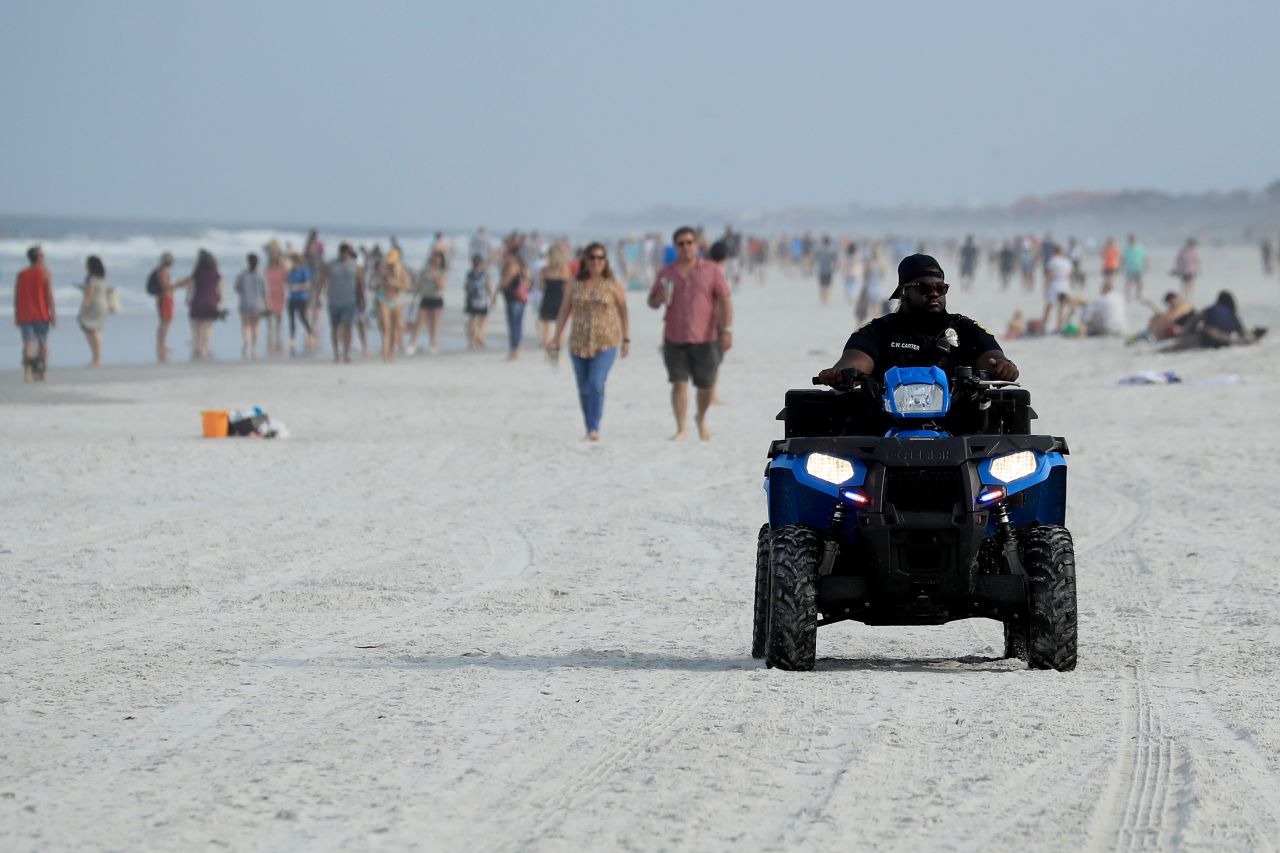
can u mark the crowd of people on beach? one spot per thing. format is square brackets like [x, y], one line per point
[574, 291]
[582, 290]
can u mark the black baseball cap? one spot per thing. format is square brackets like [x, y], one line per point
[913, 267]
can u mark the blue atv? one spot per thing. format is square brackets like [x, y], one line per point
[918, 502]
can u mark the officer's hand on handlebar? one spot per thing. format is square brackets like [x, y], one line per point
[830, 376]
[840, 378]
[1004, 370]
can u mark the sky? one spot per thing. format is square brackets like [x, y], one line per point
[525, 114]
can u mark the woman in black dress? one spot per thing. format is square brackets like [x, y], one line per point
[551, 282]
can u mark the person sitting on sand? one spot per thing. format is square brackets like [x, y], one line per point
[1105, 315]
[1017, 328]
[1216, 326]
[1166, 322]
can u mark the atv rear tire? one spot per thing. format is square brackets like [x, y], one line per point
[792, 638]
[1048, 556]
[760, 625]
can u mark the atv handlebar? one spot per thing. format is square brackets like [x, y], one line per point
[851, 378]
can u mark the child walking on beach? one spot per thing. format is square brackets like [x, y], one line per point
[479, 293]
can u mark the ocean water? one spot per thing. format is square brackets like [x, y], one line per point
[130, 250]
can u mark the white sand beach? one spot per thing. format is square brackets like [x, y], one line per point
[434, 618]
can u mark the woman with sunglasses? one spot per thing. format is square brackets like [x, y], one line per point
[597, 303]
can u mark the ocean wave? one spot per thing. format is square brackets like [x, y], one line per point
[228, 246]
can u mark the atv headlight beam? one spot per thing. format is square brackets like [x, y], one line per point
[1014, 466]
[829, 469]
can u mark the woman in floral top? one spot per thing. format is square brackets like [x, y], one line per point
[598, 305]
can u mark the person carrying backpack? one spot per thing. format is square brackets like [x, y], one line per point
[161, 287]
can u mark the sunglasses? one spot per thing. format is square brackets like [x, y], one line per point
[595, 257]
[684, 242]
[931, 288]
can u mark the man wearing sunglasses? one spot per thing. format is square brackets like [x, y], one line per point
[695, 330]
[921, 333]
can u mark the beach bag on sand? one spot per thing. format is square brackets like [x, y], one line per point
[246, 421]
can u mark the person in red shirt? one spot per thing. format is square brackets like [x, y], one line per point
[34, 314]
[696, 328]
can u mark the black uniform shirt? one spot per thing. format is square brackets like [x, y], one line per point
[946, 340]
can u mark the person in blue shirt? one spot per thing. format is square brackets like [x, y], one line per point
[299, 283]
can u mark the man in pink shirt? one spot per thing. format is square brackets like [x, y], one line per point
[696, 329]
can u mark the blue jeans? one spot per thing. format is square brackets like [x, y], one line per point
[591, 374]
[515, 322]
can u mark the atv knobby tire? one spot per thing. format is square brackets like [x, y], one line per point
[760, 624]
[792, 635]
[1049, 559]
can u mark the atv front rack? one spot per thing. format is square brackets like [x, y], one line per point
[932, 451]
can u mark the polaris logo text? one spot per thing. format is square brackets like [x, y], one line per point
[917, 456]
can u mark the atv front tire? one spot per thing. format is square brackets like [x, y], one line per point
[1048, 556]
[792, 638]
[760, 625]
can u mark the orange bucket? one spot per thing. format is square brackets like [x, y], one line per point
[215, 423]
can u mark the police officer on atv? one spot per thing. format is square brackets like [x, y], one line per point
[920, 333]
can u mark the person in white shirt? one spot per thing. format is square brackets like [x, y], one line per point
[1057, 289]
[1105, 315]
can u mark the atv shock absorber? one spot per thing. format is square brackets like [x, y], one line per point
[1008, 539]
[830, 546]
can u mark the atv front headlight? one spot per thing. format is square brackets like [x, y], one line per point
[919, 399]
[830, 469]
[1013, 466]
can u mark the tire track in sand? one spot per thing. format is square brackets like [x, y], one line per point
[1140, 805]
[535, 821]
[1172, 728]
[582, 767]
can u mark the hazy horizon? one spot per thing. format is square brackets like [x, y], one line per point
[504, 114]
